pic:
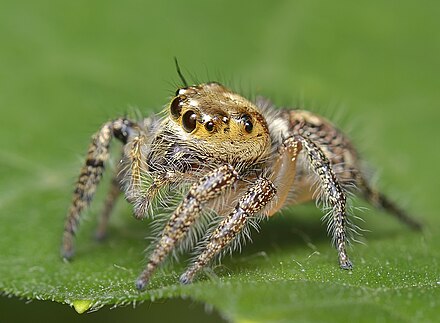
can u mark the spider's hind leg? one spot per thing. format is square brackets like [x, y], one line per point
[110, 201]
[90, 176]
[381, 201]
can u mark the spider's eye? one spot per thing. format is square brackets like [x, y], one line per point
[247, 121]
[175, 108]
[189, 120]
[209, 126]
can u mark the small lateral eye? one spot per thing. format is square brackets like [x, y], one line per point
[175, 108]
[189, 120]
[209, 126]
[247, 121]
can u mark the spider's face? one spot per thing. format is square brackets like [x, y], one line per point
[219, 122]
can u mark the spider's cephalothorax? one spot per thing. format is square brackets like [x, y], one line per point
[228, 155]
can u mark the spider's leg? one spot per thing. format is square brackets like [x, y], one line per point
[207, 188]
[253, 201]
[110, 201]
[380, 200]
[332, 194]
[90, 176]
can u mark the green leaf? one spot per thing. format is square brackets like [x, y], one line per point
[69, 66]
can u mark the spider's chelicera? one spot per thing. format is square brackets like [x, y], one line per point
[229, 157]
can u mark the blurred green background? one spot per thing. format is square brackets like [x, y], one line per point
[68, 66]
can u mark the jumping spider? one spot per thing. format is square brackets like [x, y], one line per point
[229, 156]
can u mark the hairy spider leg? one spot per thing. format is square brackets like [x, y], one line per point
[253, 201]
[332, 195]
[345, 162]
[90, 176]
[381, 201]
[207, 188]
[110, 201]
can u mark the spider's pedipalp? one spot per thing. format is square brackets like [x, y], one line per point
[135, 169]
[91, 174]
[206, 189]
[252, 202]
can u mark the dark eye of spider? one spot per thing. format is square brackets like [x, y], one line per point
[209, 126]
[189, 120]
[248, 126]
[175, 108]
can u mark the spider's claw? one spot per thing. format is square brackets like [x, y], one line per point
[346, 265]
[141, 283]
[186, 278]
[67, 255]
[144, 277]
[67, 249]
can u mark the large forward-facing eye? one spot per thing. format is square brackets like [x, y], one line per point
[189, 121]
[247, 122]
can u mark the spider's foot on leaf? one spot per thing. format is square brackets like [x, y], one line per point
[346, 264]
[141, 284]
[186, 278]
[67, 254]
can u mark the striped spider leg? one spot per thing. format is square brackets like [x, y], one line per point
[89, 178]
[207, 188]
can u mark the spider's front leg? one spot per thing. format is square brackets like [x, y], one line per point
[206, 189]
[90, 176]
[252, 202]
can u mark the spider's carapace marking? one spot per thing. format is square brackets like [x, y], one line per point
[239, 159]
